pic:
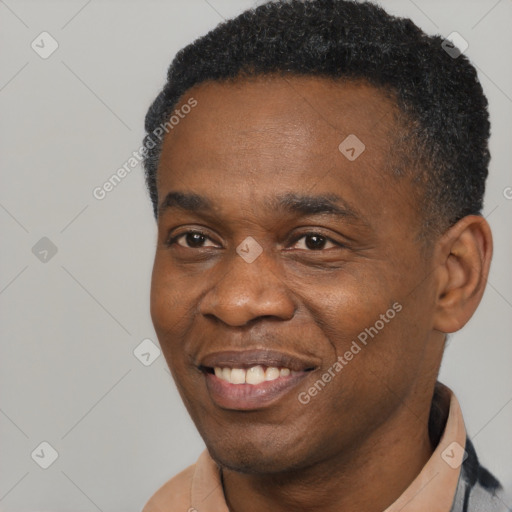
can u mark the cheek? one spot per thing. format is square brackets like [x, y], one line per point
[167, 300]
[350, 305]
[167, 312]
[376, 325]
[161, 303]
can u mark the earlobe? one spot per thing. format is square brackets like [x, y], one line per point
[463, 258]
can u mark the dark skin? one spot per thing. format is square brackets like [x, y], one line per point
[319, 282]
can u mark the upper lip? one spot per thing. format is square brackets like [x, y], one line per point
[263, 357]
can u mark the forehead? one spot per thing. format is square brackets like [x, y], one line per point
[292, 134]
[306, 109]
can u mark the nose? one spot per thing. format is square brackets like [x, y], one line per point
[247, 291]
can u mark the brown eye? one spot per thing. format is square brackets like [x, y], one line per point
[193, 239]
[315, 241]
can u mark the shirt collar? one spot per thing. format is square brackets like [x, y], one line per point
[434, 488]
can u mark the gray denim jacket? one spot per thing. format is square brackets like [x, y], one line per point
[478, 490]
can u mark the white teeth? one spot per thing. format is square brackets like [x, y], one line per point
[238, 376]
[226, 374]
[272, 373]
[254, 375]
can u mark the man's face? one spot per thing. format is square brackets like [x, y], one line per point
[322, 279]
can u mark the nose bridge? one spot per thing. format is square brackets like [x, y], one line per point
[251, 287]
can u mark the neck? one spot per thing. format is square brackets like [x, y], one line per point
[368, 479]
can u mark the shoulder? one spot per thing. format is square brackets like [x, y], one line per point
[175, 491]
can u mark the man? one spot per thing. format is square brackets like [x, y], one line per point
[317, 171]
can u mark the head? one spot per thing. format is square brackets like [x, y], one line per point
[318, 199]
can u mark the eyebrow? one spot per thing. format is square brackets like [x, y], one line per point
[292, 203]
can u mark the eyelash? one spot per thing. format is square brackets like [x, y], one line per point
[171, 241]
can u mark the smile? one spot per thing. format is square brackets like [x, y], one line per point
[254, 379]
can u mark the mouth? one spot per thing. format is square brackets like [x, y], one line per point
[254, 379]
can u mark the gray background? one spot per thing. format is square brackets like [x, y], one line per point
[69, 325]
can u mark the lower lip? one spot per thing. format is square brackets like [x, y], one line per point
[246, 397]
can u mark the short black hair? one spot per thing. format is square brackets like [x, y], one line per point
[442, 108]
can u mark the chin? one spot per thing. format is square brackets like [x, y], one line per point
[256, 454]
[250, 462]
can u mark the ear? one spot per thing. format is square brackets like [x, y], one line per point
[462, 259]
